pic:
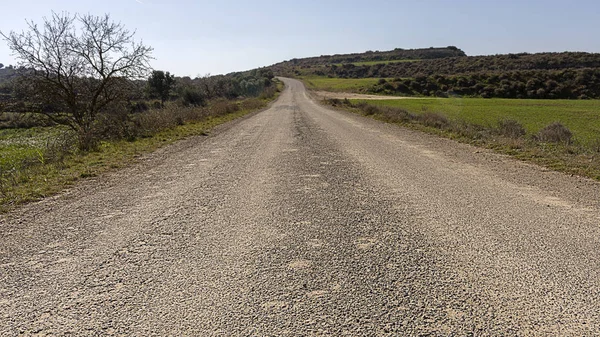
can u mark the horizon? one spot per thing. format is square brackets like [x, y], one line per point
[191, 39]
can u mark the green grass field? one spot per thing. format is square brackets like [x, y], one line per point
[338, 84]
[17, 145]
[582, 117]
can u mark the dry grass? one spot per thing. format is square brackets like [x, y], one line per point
[553, 146]
[40, 162]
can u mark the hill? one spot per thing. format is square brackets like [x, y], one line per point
[368, 57]
[567, 75]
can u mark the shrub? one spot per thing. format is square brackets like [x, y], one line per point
[20, 120]
[555, 133]
[361, 105]
[511, 128]
[268, 92]
[137, 107]
[440, 93]
[57, 148]
[251, 104]
[370, 109]
[434, 120]
[114, 125]
[396, 115]
[468, 130]
[192, 97]
[333, 101]
[223, 107]
[151, 122]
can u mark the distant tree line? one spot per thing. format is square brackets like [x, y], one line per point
[196, 92]
[162, 86]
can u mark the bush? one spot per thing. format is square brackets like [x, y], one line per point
[222, 107]
[151, 122]
[396, 115]
[370, 109]
[468, 130]
[511, 128]
[251, 104]
[441, 94]
[268, 92]
[434, 120]
[20, 120]
[555, 133]
[137, 107]
[333, 101]
[57, 148]
[192, 97]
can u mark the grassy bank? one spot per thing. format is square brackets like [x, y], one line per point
[34, 165]
[528, 130]
[582, 117]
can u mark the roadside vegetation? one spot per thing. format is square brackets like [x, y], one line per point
[39, 162]
[84, 100]
[582, 117]
[565, 139]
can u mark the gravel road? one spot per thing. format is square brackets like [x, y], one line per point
[303, 221]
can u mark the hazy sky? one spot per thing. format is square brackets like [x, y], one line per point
[199, 37]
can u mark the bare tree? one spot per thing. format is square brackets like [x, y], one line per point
[77, 66]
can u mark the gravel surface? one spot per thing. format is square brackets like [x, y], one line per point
[303, 221]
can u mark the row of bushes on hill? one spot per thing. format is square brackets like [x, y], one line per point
[538, 84]
[370, 56]
[461, 65]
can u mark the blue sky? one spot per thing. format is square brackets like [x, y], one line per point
[199, 37]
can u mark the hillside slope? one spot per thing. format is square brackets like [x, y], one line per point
[567, 75]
